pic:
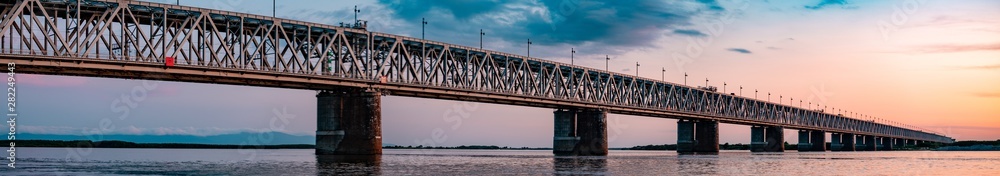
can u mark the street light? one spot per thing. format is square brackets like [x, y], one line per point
[529, 48]
[663, 74]
[606, 61]
[706, 83]
[423, 44]
[481, 34]
[755, 94]
[637, 69]
[741, 91]
[356, 11]
[723, 87]
[571, 53]
[422, 26]
[685, 78]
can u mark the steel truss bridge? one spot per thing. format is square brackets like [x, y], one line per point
[132, 39]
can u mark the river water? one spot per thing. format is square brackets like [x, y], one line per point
[104, 161]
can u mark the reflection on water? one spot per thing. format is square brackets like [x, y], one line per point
[698, 163]
[54, 161]
[348, 164]
[580, 165]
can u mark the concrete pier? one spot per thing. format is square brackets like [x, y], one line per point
[818, 140]
[869, 143]
[592, 127]
[700, 136]
[887, 144]
[847, 140]
[580, 132]
[757, 140]
[775, 139]
[835, 141]
[767, 139]
[707, 136]
[812, 140]
[348, 122]
[564, 135]
[804, 142]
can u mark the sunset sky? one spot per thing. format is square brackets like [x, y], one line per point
[931, 64]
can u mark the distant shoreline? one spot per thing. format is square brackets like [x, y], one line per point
[125, 144]
[958, 146]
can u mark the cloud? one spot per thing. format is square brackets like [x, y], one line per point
[712, 5]
[826, 3]
[595, 26]
[959, 48]
[687, 32]
[740, 50]
[983, 67]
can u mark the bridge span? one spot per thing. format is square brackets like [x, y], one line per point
[351, 68]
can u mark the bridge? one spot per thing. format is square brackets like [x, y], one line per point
[351, 68]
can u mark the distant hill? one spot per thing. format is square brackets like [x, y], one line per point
[276, 138]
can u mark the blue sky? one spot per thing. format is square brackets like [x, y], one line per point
[932, 64]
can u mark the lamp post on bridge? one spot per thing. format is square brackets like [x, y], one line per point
[572, 52]
[481, 34]
[637, 69]
[529, 48]
[769, 97]
[423, 25]
[685, 78]
[607, 60]
[423, 44]
[706, 83]
[663, 74]
[755, 94]
[724, 88]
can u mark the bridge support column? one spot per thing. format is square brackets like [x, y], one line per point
[878, 143]
[818, 140]
[775, 139]
[757, 141]
[697, 136]
[869, 144]
[898, 143]
[565, 138]
[767, 139]
[580, 133]
[911, 142]
[348, 122]
[848, 142]
[887, 143]
[836, 143]
[685, 136]
[707, 135]
[592, 127]
[804, 142]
